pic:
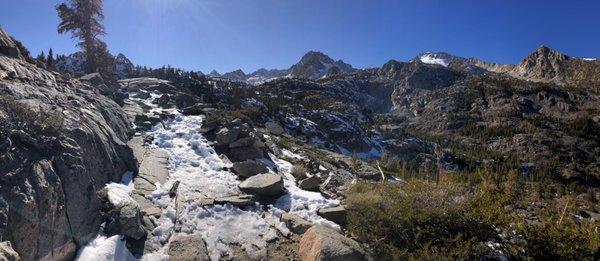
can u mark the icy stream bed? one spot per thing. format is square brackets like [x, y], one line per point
[203, 174]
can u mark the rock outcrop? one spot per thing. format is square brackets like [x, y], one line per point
[66, 143]
[543, 64]
[8, 47]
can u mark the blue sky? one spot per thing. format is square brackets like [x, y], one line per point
[250, 34]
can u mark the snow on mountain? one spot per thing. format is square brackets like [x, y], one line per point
[73, 63]
[263, 75]
[442, 59]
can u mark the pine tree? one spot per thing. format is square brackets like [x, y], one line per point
[83, 19]
[41, 57]
[50, 59]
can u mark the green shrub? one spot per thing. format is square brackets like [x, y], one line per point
[418, 220]
[583, 127]
[455, 218]
[224, 117]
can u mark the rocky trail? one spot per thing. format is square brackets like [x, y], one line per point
[190, 201]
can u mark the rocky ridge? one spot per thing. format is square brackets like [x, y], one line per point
[61, 143]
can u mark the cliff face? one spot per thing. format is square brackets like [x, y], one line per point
[60, 143]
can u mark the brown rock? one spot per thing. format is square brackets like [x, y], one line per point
[295, 223]
[322, 243]
[187, 248]
[310, 183]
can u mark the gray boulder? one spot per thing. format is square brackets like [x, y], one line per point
[130, 221]
[238, 201]
[249, 168]
[274, 128]
[226, 136]
[243, 142]
[335, 214]
[295, 223]
[322, 243]
[187, 248]
[311, 183]
[247, 153]
[267, 185]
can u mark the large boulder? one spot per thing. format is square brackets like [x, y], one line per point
[187, 248]
[247, 153]
[249, 168]
[226, 136]
[311, 183]
[322, 243]
[130, 221]
[266, 185]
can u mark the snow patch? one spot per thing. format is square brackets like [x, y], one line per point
[119, 194]
[102, 248]
[431, 58]
[301, 202]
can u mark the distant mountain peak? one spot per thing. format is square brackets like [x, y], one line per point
[315, 65]
[543, 63]
[312, 65]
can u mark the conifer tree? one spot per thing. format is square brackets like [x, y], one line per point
[41, 57]
[50, 59]
[83, 19]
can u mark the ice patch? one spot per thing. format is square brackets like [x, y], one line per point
[102, 248]
[291, 155]
[302, 202]
[120, 193]
[222, 225]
